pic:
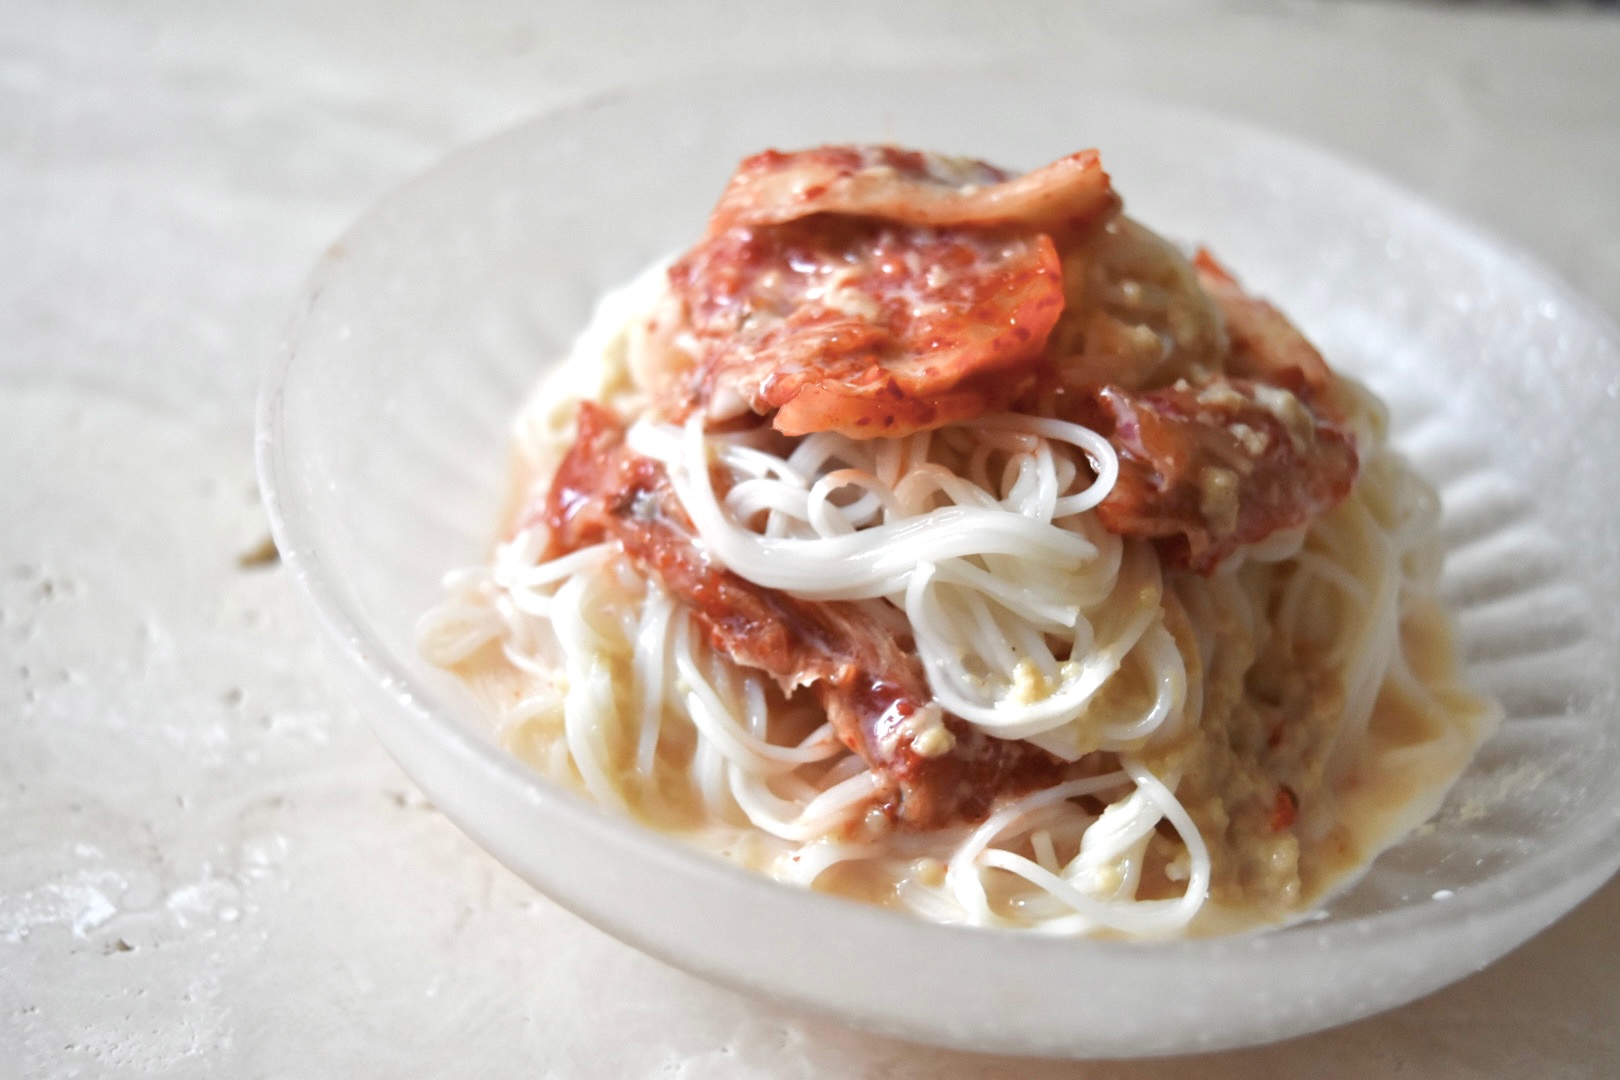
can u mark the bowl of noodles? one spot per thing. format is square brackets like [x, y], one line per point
[946, 728]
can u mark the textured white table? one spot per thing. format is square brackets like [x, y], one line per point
[209, 868]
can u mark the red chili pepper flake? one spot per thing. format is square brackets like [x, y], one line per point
[1284, 810]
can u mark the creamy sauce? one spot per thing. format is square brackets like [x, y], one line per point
[1418, 744]
[1419, 738]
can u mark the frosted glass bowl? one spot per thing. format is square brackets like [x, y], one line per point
[382, 455]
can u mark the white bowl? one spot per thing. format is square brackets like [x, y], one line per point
[384, 428]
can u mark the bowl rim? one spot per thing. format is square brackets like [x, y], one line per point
[1596, 839]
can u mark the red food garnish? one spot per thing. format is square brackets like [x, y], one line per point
[906, 187]
[866, 329]
[1207, 469]
[1284, 809]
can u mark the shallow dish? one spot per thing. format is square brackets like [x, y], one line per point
[383, 439]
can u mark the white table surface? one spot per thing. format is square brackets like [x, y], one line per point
[208, 866]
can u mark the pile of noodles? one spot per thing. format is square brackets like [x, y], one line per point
[980, 543]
